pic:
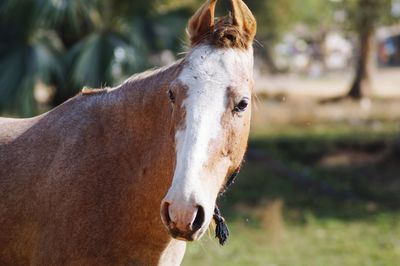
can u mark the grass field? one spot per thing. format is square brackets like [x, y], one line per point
[314, 190]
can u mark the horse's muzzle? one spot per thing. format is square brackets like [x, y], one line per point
[184, 225]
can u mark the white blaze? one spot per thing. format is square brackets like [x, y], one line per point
[207, 75]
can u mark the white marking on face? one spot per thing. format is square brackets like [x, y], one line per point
[207, 75]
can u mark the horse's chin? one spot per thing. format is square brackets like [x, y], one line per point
[184, 239]
[186, 236]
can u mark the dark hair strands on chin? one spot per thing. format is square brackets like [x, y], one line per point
[221, 228]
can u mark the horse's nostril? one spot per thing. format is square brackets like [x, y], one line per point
[188, 221]
[165, 214]
[199, 220]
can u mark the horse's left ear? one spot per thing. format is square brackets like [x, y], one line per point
[244, 19]
[202, 21]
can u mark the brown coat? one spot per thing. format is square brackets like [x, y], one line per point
[80, 184]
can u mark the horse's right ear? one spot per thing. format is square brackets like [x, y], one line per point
[202, 22]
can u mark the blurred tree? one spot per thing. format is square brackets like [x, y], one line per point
[364, 16]
[275, 18]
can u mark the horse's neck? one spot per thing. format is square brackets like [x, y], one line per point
[142, 108]
[147, 114]
[146, 106]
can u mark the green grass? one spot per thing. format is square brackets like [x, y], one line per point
[374, 241]
[289, 208]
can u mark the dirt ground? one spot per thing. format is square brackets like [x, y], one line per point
[302, 111]
[385, 82]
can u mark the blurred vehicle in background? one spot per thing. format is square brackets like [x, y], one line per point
[389, 46]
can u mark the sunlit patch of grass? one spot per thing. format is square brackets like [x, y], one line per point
[375, 241]
[327, 130]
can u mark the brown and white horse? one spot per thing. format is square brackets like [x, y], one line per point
[83, 183]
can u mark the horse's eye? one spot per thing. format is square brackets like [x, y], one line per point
[242, 105]
[171, 96]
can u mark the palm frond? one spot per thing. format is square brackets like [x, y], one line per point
[71, 13]
[24, 65]
[92, 62]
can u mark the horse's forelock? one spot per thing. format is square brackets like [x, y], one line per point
[229, 36]
[225, 35]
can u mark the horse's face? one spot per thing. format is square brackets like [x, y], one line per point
[211, 101]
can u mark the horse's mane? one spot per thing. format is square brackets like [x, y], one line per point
[152, 73]
[148, 77]
[155, 77]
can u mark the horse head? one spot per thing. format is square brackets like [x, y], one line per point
[211, 109]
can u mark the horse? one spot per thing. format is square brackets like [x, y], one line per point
[128, 175]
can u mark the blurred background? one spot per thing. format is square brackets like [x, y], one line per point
[321, 180]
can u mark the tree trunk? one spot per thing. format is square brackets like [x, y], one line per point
[361, 86]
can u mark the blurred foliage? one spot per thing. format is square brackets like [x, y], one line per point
[69, 44]
[377, 11]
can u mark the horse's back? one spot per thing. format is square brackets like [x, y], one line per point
[11, 128]
[16, 194]
[29, 157]
[17, 143]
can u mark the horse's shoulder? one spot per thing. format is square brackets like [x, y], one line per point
[61, 118]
